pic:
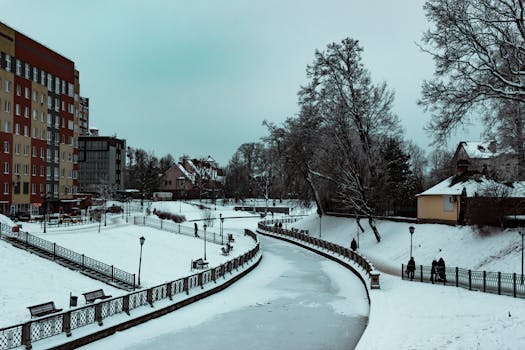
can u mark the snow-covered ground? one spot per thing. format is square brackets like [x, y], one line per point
[412, 315]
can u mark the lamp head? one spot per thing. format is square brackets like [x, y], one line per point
[411, 229]
[142, 240]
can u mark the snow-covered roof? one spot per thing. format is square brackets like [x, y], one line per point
[189, 176]
[474, 187]
[481, 150]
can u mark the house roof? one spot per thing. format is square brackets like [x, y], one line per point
[481, 150]
[475, 186]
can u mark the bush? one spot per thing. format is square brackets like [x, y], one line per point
[169, 216]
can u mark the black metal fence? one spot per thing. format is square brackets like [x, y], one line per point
[65, 322]
[270, 226]
[71, 256]
[484, 281]
[170, 226]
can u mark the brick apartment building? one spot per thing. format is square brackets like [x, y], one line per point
[39, 118]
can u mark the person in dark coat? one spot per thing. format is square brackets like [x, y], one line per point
[411, 268]
[353, 245]
[441, 270]
[433, 271]
[196, 229]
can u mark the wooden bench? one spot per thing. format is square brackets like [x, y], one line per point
[43, 309]
[199, 264]
[230, 238]
[94, 295]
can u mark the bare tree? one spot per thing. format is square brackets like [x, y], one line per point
[478, 48]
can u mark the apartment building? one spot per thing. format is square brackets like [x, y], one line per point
[39, 111]
[101, 164]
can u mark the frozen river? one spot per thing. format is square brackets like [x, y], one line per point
[294, 299]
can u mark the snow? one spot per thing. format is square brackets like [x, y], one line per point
[412, 315]
[474, 187]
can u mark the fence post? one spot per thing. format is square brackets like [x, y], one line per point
[144, 221]
[499, 283]
[27, 240]
[98, 314]
[82, 260]
[161, 224]
[457, 276]
[200, 280]
[125, 304]
[514, 284]
[168, 290]
[66, 323]
[186, 286]
[469, 280]
[134, 282]
[26, 335]
[421, 272]
[484, 281]
[149, 296]
[112, 272]
[54, 250]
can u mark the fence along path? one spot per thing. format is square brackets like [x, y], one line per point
[270, 226]
[93, 268]
[67, 321]
[484, 281]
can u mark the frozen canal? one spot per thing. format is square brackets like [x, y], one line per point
[294, 299]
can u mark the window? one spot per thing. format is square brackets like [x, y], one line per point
[26, 130]
[26, 187]
[448, 203]
[33, 151]
[7, 126]
[17, 169]
[41, 188]
[42, 99]
[35, 114]
[42, 78]
[41, 152]
[17, 129]
[33, 170]
[7, 106]
[26, 112]
[57, 85]
[18, 67]
[26, 169]
[26, 150]
[18, 90]
[27, 71]
[49, 82]
[42, 171]
[6, 146]
[8, 63]
[35, 75]
[33, 188]
[27, 93]
[17, 109]
[6, 167]
[49, 102]
[6, 187]
[7, 84]
[17, 148]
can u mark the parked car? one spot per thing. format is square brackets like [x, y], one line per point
[115, 209]
[23, 216]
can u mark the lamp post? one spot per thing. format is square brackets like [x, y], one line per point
[357, 229]
[141, 240]
[222, 228]
[320, 213]
[205, 241]
[44, 197]
[411, 229]
[522, 233]
[105, 213]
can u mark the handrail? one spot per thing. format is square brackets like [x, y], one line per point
[66, 321]
[271, 226]
[71, 256]
[501, 283]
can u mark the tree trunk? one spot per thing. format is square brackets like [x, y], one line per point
[372, 224]
[359, 224]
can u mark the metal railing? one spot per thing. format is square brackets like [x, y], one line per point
[170, 226]
[64, 322]
[484, 281]
[270, 226]
[57, 251]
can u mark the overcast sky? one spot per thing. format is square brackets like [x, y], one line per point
[199, 77]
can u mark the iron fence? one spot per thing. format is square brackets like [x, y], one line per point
[273, 226]
[484, 281]
[170, 226]
[66, 321]
[57, 251]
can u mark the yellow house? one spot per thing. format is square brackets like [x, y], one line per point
[441, 203]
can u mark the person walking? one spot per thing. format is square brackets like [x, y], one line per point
[353, 245]
[411, 268]
[433, 271]
[441, 270]
[196, 228]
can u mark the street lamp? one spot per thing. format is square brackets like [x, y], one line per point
[141, 240]
[205, 241]
[105, 213]
[411, 229]
[320, 213]
[522, 233]
[357, 229]
[222, 228]
[44, 197]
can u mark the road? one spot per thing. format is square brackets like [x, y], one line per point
[294, 299]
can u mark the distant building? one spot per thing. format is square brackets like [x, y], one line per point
[101, 164]
[193, 178]
[83, 116]
[486, 158]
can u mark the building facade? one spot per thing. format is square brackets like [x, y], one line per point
[101, 164]
[83, 123]
[39, 108]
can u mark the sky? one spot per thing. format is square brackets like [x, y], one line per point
[199, 77]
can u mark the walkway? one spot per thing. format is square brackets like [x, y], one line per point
[294, 299]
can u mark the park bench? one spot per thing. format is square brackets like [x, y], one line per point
[230, 238]
[94, 295]
[43, 309]
[199, 264]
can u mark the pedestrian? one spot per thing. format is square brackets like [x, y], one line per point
[353, 245]
[433, 271]
[411, 268]
[196, 229]
[441, 270]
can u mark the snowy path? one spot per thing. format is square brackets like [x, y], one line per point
[294, 299]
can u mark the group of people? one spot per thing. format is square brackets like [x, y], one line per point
[437, 271]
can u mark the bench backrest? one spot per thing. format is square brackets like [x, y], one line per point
[94, 294]
[42, 308]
